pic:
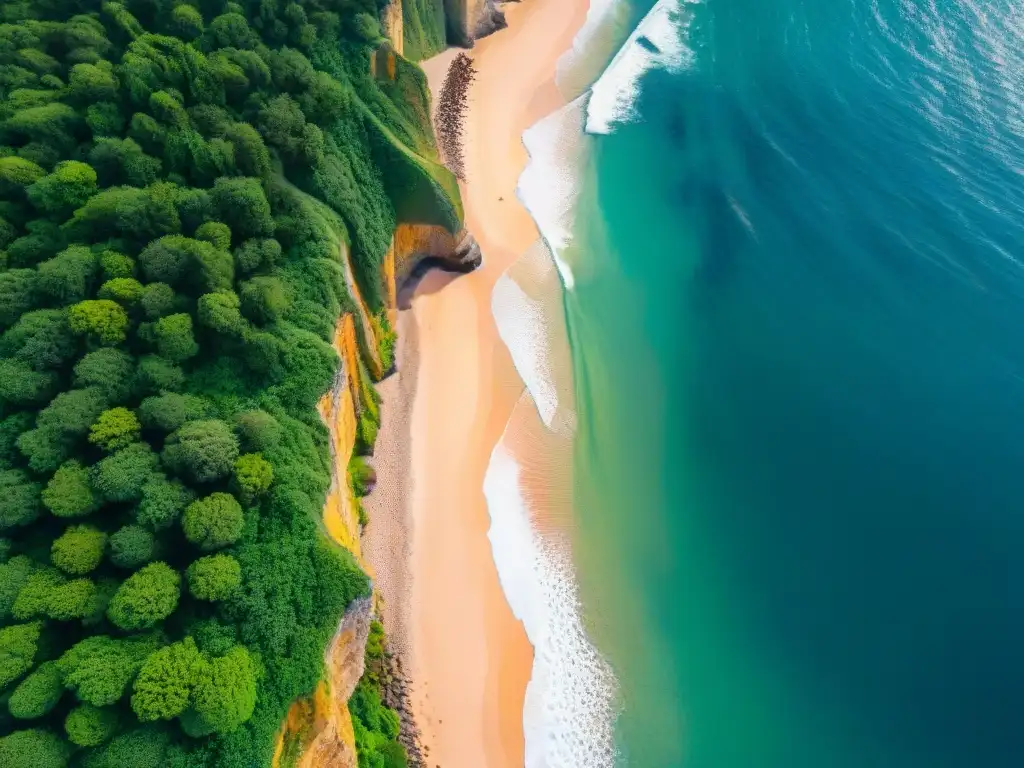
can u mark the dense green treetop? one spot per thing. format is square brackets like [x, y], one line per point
[180, 182]
[90, 726]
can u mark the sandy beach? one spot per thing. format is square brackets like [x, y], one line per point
[466, 654]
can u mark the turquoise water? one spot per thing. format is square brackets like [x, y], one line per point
[799, 354]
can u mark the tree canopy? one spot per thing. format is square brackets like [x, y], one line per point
[190, 195]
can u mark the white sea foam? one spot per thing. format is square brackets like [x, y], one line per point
[527, 307]
[570, 702]
[602, 34]
[655, 43]
[547, 186]
[568, 714]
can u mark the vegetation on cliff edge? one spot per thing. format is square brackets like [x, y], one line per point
[180, 181]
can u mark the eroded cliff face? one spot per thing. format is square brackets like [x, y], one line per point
[393, 25]
[416, 248]
[318, 730]
[338, 410]
[469, 20]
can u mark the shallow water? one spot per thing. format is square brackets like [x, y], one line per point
[797, 320]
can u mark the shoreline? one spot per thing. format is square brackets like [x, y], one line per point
[467, 658]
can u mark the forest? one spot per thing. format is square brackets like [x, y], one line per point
[181, 182]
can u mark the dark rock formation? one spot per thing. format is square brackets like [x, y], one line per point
[396, 690]
[434, 249]
[490, 20]
[469, 20]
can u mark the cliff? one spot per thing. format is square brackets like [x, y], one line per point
[338, 410]
[417, 248]
[318, 731]
[419, 29]
[469, 20]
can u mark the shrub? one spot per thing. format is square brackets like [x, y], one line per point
[187, 22]
[41, 339]
[220, 312]
[46, 593]
[213, 522]
[101, 318]
[157, 300]
[243, 206]
[116, 265]
[224, 697]
[362, 475]
[162, 503]
[132, 546]
[264, 299]
[90, 726]
[202, 451]
[216, 233]
[115, 429]
[68, 493]
[121, 476]
[67, 188]
[259, 430]
[100, 669]
[257, 253]
[68, 276]
[13, 575]
[124, 290]
[169, 412]
[18, 645]
[159, 375]
[366, 432]
[79, 549]
[34, 748]
[174, 339]
[140, 748]
[214, 577]
[21, 499]
[148, 597]
[44, 448]
[38, 693]
[111, 371]
[164, 686]
[253, 474]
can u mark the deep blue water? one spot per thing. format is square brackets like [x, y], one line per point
[799, 349]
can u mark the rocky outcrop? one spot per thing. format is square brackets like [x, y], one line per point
[393, 25]
[396, 693]
[383, 61]
[469, 20]
[338, 410]
[318, 731]
[417, 248]
[489, 19]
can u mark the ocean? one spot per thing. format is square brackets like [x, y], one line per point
[788, 240]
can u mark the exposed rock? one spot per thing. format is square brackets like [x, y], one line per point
[322, 724]
[383, 61]
[394, 26]
[489, 20]
[418, 248]
[395, 693]
[469, 20]
[337, 409]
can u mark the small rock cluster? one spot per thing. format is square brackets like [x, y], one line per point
[395, 688]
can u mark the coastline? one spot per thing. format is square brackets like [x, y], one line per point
[466, 656]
